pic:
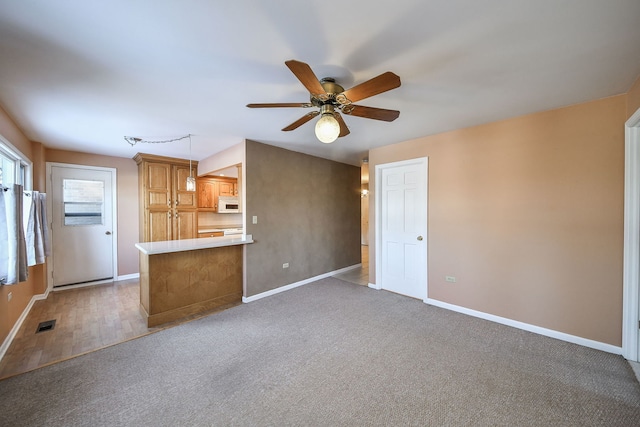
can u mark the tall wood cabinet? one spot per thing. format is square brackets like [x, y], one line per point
[167, 210]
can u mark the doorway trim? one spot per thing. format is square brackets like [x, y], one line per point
[114, 211]
[631, 270]
[424, 163]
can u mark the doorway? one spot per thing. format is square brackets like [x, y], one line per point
[401, 227]
[83, 223]
[631, 278]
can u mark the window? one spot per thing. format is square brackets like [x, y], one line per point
[15, 176]
[15, 168]
[83, 202]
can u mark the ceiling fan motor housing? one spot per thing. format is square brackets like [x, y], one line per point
[331, 88]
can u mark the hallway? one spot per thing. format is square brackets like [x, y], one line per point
[359, 276]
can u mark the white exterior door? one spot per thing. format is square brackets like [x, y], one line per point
[402, 231]
[82, 224]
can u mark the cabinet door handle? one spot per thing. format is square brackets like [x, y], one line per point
[176, 215]
[176, 202]
[169, 204]
[169, 215]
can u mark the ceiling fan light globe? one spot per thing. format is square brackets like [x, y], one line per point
[327, 129]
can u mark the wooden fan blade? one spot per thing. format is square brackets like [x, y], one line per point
[344, 130]
[371, 112]
[302, 120]
[284, 104]
[375, 86]
[305, 74]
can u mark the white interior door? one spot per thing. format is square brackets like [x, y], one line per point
[402, 219]
[82, 224]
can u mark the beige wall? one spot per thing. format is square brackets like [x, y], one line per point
[527, 214]
[10, 131]
[633, 98]
[21, 293]
[231, 156]
[127, 188]
[308, 212]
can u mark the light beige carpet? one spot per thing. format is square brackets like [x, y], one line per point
[330, 353]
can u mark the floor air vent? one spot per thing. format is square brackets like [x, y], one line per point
[46, 326]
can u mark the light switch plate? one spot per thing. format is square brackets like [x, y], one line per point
[255, 219]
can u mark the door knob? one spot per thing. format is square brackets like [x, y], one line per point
[108, 233]
[420, 238]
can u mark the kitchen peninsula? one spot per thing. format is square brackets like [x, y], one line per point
[179, 278]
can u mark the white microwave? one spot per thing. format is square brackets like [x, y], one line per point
[228, 204]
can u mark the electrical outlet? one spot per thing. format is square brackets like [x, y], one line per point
[255, 219]
[9, 296]
[450, 279]
[285, 265]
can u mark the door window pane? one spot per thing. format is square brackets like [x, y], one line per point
[83, 202]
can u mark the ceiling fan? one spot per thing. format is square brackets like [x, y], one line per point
[330, 98]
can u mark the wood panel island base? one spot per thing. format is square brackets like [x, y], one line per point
[180, 278]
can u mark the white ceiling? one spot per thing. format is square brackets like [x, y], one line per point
[80, 75]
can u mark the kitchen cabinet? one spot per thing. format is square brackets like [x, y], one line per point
[210, 188]
[228, 188]
[208, 192]
[178, 281]
[167, 210]
[212, 234]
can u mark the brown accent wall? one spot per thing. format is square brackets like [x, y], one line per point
[127, 187]
[633, 98]
[308, 212]
[21, 293]
[527, 214]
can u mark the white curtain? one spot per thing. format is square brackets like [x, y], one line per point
[28, 225]
[34, 214]
[24, 239]
[42, 244]
[4, 238]
[15, 247]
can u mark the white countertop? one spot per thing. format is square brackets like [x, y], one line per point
[152, 248]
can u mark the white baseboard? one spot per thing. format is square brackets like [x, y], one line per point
[16, 327]
[374, 286]
[527, 327]
[97, 282]
[296, 284]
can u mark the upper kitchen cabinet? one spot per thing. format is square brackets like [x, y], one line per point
[228, 188]
[208, 192]
[210, 188]
[167, 210]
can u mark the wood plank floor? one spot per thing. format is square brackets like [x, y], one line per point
[87, 319]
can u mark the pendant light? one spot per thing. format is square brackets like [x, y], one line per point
[191, 181]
